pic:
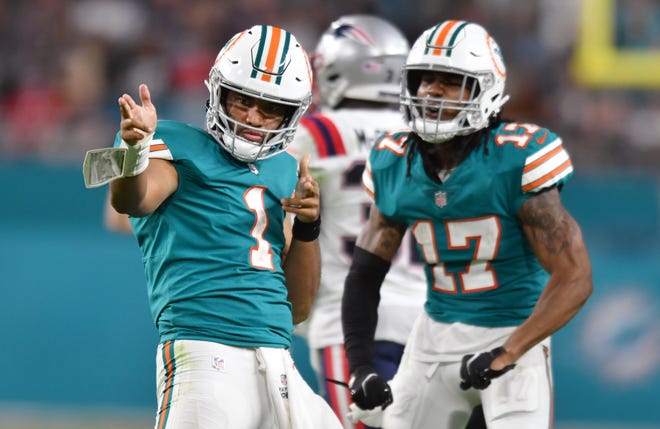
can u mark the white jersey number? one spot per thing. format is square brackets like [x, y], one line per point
[478, 274]
[261, 255]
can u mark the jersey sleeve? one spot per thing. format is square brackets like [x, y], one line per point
[548, 167]
[158, 146]
[320, 136]
[536, 159]
[303, 142]
[384, 170]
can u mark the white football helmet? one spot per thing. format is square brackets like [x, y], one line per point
[465, 49]
[264, 62]
[359, 57]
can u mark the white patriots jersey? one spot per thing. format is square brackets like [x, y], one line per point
[339, 142]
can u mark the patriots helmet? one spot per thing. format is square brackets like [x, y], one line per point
[359, 57]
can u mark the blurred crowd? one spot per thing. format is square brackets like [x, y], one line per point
[65, 63]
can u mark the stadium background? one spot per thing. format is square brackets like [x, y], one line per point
[77, 340]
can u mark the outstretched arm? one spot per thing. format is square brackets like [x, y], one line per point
[557, 241]
[375, 248]
[377, 244]
[302, 266]
[142, 193]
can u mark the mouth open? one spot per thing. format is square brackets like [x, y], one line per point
[432, 112]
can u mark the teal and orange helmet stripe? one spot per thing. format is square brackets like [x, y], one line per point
[442, 38]
[270, 59]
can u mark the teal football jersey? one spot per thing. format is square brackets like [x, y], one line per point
[212, 250]
[480, 269]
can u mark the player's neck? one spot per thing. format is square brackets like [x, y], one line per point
[448, 155]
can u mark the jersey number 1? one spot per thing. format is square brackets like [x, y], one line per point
[261, 255]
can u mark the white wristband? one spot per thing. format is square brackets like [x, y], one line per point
[137, 156]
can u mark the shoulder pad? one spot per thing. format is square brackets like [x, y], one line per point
[545, 161]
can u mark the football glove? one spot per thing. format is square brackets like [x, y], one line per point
[369, 390]
[476, 371]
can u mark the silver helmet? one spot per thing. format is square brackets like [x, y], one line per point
[359, 57]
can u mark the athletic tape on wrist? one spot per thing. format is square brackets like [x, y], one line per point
[137, 156]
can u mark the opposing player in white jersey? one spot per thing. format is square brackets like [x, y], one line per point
[357, 66]
[506, 265]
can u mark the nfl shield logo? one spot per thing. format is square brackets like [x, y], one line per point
[441, 199]
[218, 363]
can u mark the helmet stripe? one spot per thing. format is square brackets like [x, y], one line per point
[453, 37]
[446, 36]
[260, 51]
[268, 54]
[272, 53]
[285, 51]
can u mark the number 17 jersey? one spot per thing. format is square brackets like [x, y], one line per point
[480, 268]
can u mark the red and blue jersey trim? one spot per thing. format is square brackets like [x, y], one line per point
[326, 135]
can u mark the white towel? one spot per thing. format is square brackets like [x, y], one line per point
[295, 404]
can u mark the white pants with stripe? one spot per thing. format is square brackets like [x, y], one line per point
[206, 385]
[426, 386]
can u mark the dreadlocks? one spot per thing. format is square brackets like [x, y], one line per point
[461, 147]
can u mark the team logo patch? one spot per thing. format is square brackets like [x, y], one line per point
[354, 33]
[253, 168]
[371, 66]
[496, 56]
[218, 363]
[440, 199]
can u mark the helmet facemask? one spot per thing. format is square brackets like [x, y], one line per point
[425, 114]
[224, 128]
[464, 50]
[281, 76]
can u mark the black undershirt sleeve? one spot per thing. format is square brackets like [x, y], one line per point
[359, 307]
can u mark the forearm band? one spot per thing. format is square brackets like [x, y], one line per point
[306, 231]
[359, 306]
[137, 156]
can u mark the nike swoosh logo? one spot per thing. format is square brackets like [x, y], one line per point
[541, 140]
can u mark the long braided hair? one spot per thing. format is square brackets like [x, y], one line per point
[467, 143]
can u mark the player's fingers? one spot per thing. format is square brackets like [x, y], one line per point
[124, 109]
[145, 95]
[130, 103]
[310, 187]
[304, 166]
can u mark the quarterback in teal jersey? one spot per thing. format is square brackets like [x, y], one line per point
[227, 273]
[505, 263]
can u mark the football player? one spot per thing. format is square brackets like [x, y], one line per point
[208, 209]
[357, 73]
[505, 263]
[357, 68]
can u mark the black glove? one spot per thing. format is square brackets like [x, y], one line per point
[369, 390]
[476, 372]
